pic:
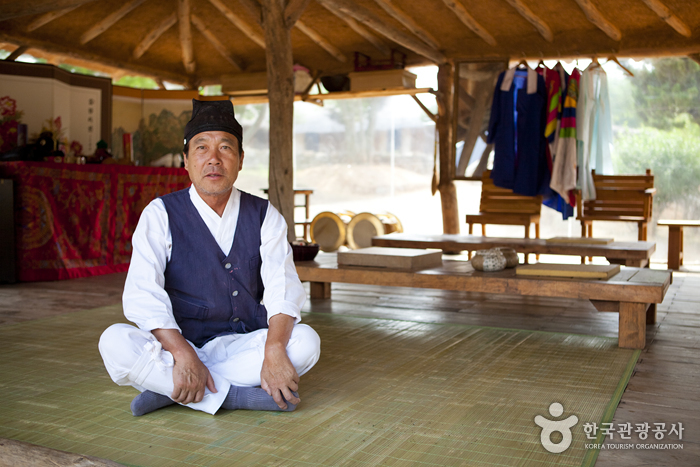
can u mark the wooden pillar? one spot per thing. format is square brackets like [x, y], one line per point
[448, 192]
[280, 92]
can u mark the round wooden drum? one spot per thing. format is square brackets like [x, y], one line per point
[366, 225]
[329, 229]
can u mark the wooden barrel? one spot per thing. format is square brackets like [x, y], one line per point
[366, 225]
[328, 229]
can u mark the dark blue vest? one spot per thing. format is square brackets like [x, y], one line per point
[213, 294]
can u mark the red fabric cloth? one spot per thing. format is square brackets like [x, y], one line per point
[77, 220]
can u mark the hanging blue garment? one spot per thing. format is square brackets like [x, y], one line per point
[516, 128]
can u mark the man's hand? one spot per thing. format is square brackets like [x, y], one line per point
[190, 376]
[278, 376]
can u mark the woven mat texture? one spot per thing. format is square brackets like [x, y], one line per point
[385, 392]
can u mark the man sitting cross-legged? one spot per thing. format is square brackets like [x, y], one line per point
[212, 289]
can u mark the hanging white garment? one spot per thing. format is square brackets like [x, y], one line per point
[593, 129]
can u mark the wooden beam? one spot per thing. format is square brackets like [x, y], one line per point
[469, 21]
[542, 27]
[695, 58]
[262, 98]
[321, 41]
[154, 34]
[16, 53]
[244, 27]
[75, 53]
[427, 111]
[109, 21]
[483, 94]
[293, 11]
[362, 31]
[253, 8]
[410, 24]
[48, 17]
[183, 18]
[665, 14]
[213, 40]
[596, 17]
[17, 8]
[365, 16]
[160, 83]
[280, 78]
[448, 192]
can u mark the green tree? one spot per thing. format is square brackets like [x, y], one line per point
[667, 89]
[673, 157]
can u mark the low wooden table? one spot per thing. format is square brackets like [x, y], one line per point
[634, 292]
[635, 254]
[675, 240]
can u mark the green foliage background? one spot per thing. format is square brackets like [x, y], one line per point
[656, 116]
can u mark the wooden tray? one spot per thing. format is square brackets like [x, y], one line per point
[397, 258]
[579, 271]
[581, 240]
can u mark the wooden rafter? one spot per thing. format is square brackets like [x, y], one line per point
[293, 11]
[469, 21]
[596, 17]
[367, 18]
[665, 14]
[410, 24]
[154, 34]
[253, 8]
[362, 31]
[183, 18]
[48, 17]
[695, 58]
[17, 8]
[321, 41]
[16, 53]
[53, 48]
[109, 21]
[213, 40]
[542, 27]
[245, 28]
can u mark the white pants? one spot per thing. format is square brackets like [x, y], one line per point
[136, 358]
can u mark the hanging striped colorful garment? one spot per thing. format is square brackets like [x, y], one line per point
[565, 164]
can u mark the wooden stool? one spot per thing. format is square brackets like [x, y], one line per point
[675, 240]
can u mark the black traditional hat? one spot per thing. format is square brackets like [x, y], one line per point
[213, 116]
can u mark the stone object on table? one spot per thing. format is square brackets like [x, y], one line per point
[489, 260]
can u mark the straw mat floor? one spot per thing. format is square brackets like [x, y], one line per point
[384, 392]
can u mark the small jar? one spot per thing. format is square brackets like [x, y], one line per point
[489, 261]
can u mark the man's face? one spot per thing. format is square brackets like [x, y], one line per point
[213, 162]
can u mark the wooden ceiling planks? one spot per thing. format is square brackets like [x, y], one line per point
[330, 31]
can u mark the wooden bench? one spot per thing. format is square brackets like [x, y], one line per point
[675, 240]
[500, 206]
[635, 254]
[633, 292]
[625, 198]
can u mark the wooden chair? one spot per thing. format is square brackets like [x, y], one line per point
[624, 198]
[500, 206]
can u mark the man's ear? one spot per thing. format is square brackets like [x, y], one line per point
[184, 159]
[240, 161]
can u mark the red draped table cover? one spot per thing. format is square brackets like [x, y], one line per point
[77, 220]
